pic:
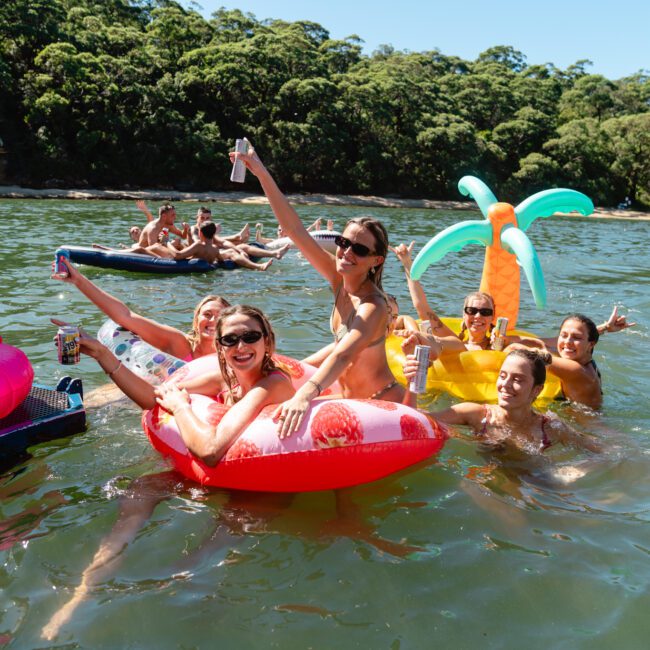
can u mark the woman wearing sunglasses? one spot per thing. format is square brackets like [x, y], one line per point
[359, 319]
[478, 314]
[245, 345]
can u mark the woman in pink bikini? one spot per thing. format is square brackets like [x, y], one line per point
[359, 319]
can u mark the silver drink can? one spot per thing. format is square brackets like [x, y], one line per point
[67, 342]
[419, 384]
[500, 333]
[238, 174]
[425, 327]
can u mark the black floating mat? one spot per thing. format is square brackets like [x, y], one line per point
[41, 403]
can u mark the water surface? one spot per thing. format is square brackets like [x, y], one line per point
[453, 553]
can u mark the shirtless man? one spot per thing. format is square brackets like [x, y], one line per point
[152, 232]
[206, 249]
[204, 214]
[230, 243]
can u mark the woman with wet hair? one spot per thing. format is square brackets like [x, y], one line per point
[512, 424]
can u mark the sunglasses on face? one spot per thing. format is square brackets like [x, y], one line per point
[484, 311]
[358, 249]
[230, 340]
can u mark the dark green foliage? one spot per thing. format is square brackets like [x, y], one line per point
[148, 93]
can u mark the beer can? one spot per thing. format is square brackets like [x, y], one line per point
[60, 270]
[238, 174]
[425, 327]
[499, 333]
[67, 340]
[419, 383]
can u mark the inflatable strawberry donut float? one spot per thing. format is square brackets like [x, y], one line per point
[341, 442]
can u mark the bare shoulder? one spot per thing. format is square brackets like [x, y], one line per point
[278, 383]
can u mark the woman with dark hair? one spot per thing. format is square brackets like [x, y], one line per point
[574, 365]
[359, 319]
[245, 345]
[512, 424]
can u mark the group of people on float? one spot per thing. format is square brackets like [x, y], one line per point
[362, 315]
[202, 240]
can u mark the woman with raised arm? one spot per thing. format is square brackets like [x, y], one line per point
[359, 319]
[198, 342]
[572, 359]
[572, 349]
[478, 313]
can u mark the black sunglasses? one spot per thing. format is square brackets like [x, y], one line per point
[230, 340]
[484, 311]
[358, 249]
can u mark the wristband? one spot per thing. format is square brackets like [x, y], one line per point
[316, 385]
[112, 372]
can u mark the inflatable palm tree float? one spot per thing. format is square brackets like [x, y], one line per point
[503, 233]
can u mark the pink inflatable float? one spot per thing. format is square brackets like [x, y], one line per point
[16, 377]
[342, 442]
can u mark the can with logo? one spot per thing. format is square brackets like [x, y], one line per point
[419, 383]
[238, 174]
[500, 329]
[425, 327]
[59, 270]
[67, 342]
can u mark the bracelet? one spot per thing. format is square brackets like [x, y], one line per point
[183, 408]
[316, 385]
[112, 372]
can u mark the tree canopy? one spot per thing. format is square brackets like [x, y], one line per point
[147, 93]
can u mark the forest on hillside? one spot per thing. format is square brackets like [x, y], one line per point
[149, 94]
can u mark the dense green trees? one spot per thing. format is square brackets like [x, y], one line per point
[148, 93]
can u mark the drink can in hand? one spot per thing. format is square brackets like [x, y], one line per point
[238, 174]
[500, 333]
[60, 270]
[419, 383]
[67, 342]
[425, 327]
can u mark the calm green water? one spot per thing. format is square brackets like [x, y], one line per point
[451, 554]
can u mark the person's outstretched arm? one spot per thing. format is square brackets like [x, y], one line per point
[134, 387]
[418, 297]
[142, 206]
[288, 218]
[165, 338]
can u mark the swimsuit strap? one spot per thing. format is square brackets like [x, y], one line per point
[546, 441]
[484, 421]
[600, 379]
[344, 328]
[336, 299]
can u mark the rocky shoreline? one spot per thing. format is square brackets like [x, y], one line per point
[15, 192]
